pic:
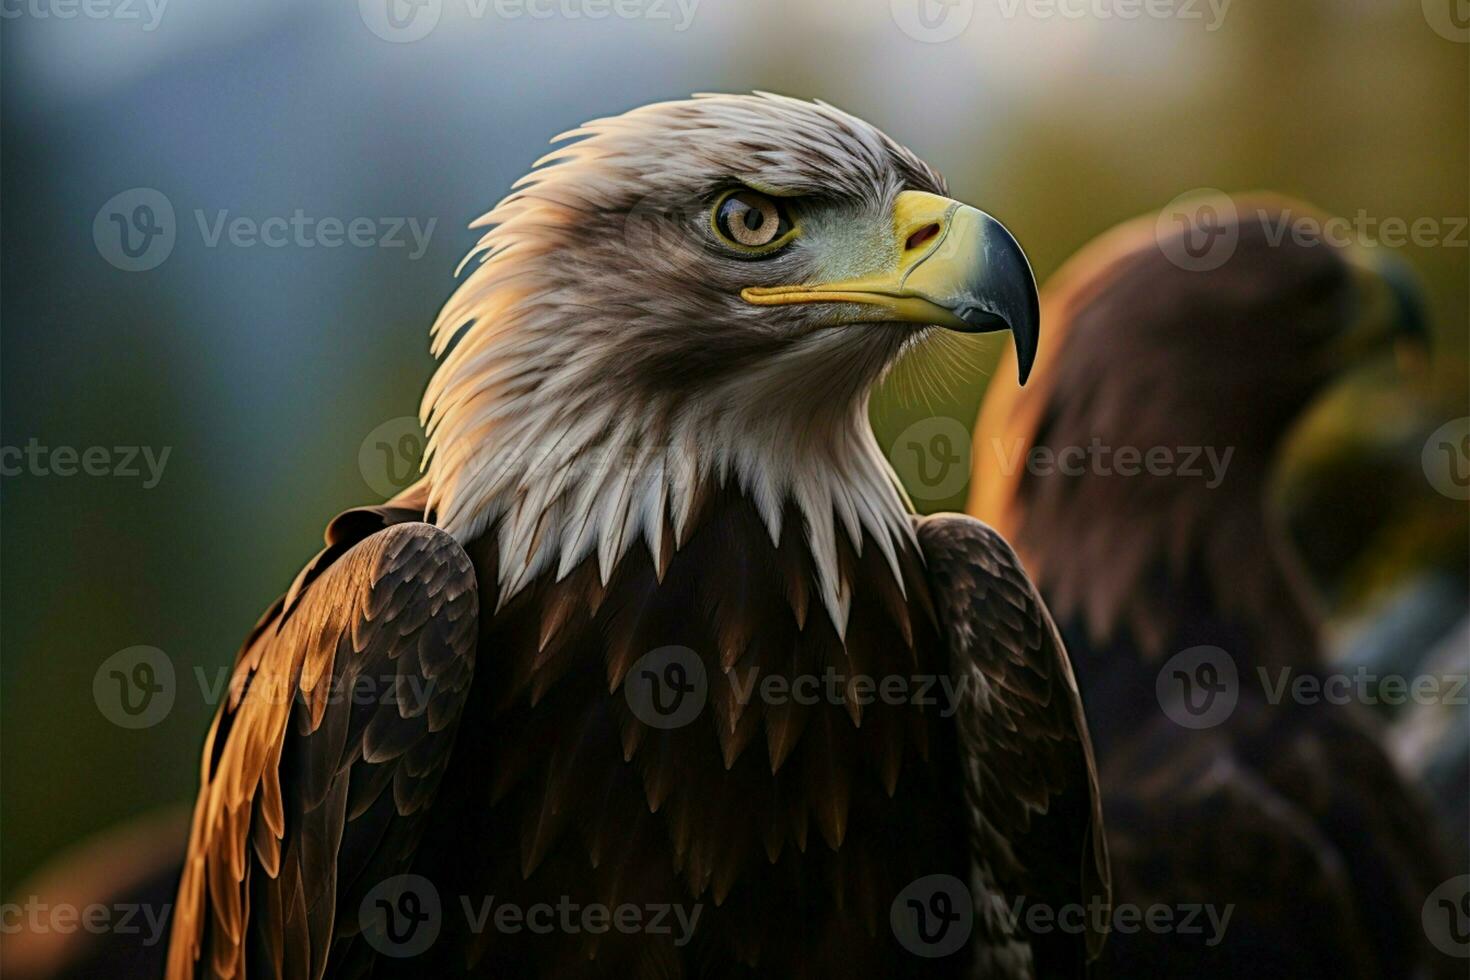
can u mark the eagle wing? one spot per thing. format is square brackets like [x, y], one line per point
[1030, 782]
[325, 757]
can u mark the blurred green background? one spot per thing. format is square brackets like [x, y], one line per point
[264, 369]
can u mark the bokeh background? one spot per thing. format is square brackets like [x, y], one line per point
[273, 374]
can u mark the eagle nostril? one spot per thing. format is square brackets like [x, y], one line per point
[921, 236]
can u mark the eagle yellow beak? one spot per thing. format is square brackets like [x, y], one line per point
[955, 267]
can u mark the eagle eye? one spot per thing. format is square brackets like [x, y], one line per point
[752, 223]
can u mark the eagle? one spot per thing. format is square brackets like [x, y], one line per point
[1390, 555]
[546, 680]
[1284, 812]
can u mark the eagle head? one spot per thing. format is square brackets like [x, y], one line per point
[1172, 378]
[699, 291]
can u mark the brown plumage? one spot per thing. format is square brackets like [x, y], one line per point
[1289, 813]
[288, 767]
[586, 507]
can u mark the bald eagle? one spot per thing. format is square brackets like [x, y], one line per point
[650, 476]
[1279, 809]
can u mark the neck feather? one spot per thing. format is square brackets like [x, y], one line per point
[563, 472]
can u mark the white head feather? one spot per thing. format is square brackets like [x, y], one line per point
[598, 365]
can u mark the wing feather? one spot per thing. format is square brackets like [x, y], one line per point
[390, 609]
[1029, 776]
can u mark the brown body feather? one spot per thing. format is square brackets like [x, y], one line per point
[761, 813]
[791, 826]
[300, 770]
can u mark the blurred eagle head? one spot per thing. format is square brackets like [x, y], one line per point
[1172, 378]
[702, 287]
